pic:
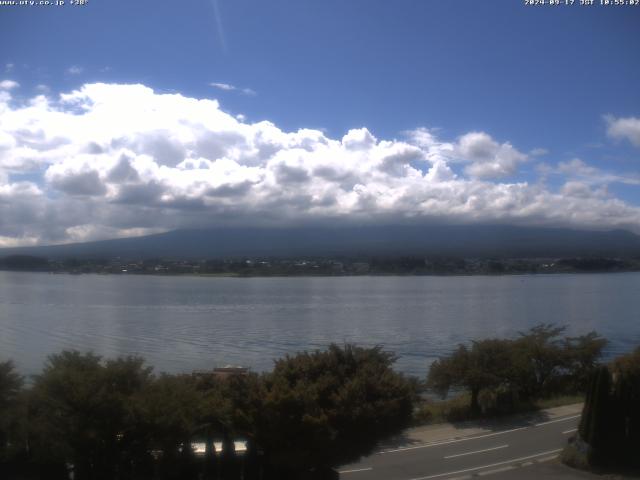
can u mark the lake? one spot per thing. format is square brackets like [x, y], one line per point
[184, 323]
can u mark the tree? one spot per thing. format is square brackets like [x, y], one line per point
[10, 391]
[610, 423]
[581, 358]
[168, 410]
[538, 362]
[327, 408]
[538, 358]
[80, 412]
[485, 365]
[626, 372]
[594, 426]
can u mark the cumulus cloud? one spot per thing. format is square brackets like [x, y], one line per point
[488, 158]
[587, 174]
[624, 128]
[110, 160]
[577, 189]
[8, 84]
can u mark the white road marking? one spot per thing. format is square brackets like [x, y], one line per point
[466, 439]
[356, 470]
[570, 431]
[513, 460]
[496, 470]
[546, 459]
[477, 451]
[558, 420]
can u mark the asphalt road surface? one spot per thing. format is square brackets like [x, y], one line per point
[484, 454]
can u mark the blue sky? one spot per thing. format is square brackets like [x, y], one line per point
[558, 85]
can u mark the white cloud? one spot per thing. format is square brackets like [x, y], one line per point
[624, 128]
[8, 84]
[6, 242]
[231, 88]
[8, 67]
[576, 168]
[222, 86]
[487, 158]
[75, 70]
[119, 159]
[584, 190]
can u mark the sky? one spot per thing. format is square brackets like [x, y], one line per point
[122, 118]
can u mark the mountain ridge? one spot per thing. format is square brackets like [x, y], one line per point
[500, 241]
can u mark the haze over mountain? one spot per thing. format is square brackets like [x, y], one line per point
[465, 241]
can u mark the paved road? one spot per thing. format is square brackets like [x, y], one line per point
[493, 452]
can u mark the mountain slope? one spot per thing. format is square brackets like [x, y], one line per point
[466, 241]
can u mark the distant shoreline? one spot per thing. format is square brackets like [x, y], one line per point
[344, 275]
[397, 265]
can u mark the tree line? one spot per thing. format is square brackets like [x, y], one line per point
[116, 419]
[107, 419]
[538, 363]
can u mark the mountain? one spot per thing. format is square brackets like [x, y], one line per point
[459, 240]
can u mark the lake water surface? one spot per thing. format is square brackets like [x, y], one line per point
[186, 323]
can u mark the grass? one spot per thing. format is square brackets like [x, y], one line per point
[457, 408]
[450, 410]
[573, 457]
[557, 401]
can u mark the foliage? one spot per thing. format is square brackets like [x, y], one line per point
[456, 408]
[484, 365]
[329, 407]
[80, 411]
[536, 364]
[115, 420]
[581, 357]
[453, 409]
[537, 358]
[10, 390]
[610, 423]
[593, 426]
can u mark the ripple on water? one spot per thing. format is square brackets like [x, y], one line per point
[186, 323]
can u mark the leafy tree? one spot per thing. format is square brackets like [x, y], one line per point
[538, 362]
[626, 372]
[581, 357]
[10, 391]
[538, 358]
[125, 378]
[168, 411]
[485, 365]
[593, 425]
[80, 412]
[610, 423]
[326, 408]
